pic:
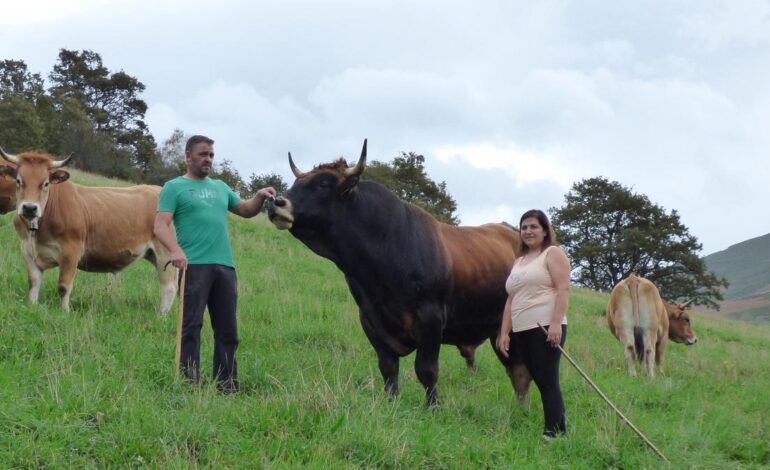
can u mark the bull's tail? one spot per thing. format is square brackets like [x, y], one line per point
[633, 289]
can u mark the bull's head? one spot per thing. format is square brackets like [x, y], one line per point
[312, 195]
[34, 173]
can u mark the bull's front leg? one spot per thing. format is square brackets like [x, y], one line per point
[387, 359]
[431, 327]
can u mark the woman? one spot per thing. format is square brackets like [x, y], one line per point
[538, 292]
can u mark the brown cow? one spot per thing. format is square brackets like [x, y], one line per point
[7, 192]
[77, 227]
[679, 327]
[636, 316]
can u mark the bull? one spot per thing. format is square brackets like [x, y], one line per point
[418, 283]
[77, 227]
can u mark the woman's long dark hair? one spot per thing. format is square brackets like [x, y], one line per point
[542, 219]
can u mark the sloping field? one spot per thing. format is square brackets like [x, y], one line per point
[96, 388]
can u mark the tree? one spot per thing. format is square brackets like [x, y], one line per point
[111, 100]
[610, 232]
[15, 79]
[20, 127]
[71, 131]
[257, 182]
[406, 177]
[226, 172]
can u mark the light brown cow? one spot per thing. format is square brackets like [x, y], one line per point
[679, 326]
[636, 316]
[77, 227]
[7, 193]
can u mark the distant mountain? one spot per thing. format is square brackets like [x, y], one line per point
[747, 266]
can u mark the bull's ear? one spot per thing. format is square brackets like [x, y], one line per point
[347, 186]
[58, 176]
[8, 171]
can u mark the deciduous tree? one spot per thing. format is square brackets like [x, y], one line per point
[610, 232]
[406, 177]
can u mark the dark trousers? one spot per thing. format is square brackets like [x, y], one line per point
[215, 286]
[542, 360]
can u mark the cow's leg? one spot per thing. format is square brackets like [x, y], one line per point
[626, 337]
[431, 326]
[515, 368]
[68, 267]
[649, 354]
[167, 275]
[660, 351]
[469, 353]
[34, 273]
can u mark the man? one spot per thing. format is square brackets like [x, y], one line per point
[198, 207]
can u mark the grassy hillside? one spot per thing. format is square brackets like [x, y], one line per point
[747, 266]
[95, 387]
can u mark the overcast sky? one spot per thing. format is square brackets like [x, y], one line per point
[510, 102]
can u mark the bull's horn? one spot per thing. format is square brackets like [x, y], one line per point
[61, 163]
[685, 304]
[359, 168]
[294, 168]
[9, 157]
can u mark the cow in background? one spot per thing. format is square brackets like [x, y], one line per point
[418, 283]
[78, 227]
[679, 326]
[7, 190]
[636, 316]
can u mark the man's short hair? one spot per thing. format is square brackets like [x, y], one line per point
[197, 139]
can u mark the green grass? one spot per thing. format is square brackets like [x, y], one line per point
[95, 387]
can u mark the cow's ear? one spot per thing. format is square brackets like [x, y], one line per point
[8, 171]
[58, 176]
[347, 185]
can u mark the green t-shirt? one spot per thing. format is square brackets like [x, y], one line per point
[200, 217]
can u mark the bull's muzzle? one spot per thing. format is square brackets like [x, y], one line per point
[280, 213]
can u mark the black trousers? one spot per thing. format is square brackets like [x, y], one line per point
[216, 287]
[542, 360]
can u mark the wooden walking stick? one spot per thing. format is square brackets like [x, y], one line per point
[590, 382]
[180, 316]
[178, 355]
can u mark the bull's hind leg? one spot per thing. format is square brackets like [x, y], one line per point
[426, 362]
[469, 353]
[517, 372]
[167, 275]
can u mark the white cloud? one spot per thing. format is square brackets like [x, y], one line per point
[510, 102]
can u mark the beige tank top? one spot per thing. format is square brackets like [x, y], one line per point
[534, 295]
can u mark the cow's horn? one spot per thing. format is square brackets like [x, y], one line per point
[61, 163]
[294, 168]
[359, 168]
[9, 157]
[685, 304]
